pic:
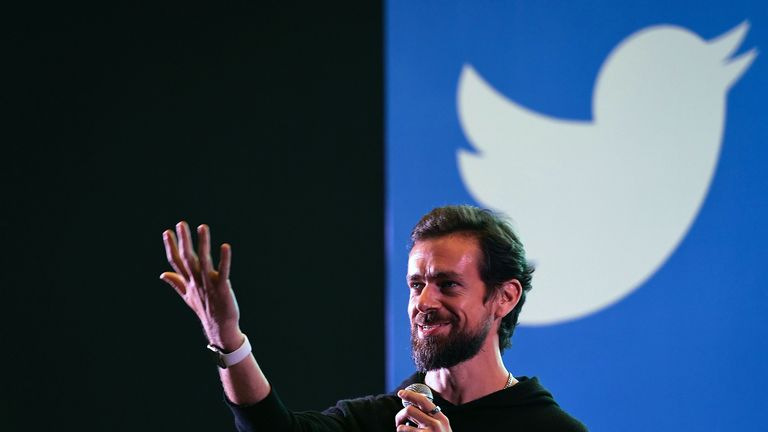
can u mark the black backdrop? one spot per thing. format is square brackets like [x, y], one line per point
[262, 119]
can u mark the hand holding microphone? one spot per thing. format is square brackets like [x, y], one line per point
[420, 412]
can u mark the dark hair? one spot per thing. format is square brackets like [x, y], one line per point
[502, 253]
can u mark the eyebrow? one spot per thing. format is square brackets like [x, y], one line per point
[437, 275]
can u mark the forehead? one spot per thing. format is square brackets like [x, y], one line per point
[458, 253]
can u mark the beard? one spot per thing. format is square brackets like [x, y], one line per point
[438, 352]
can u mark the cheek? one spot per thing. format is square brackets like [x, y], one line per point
[411, 308]
[472, 315]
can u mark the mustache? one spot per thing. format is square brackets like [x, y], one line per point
[426, 318]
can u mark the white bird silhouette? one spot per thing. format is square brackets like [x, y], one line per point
[602, 204]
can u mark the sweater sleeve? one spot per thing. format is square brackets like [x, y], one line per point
[366, 414]
[271, 415]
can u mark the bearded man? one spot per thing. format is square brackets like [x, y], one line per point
[468, 278]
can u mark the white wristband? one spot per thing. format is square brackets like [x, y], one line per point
[226, 360]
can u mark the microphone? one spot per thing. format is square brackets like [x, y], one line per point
[417, 388]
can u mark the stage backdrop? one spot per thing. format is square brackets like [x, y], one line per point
[628, 144]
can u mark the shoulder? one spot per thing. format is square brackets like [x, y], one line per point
[528, 406]
[543, 410]
[555, 419]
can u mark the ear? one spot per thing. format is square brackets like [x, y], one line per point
[508, 296]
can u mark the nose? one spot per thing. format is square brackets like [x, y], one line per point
[429, 298]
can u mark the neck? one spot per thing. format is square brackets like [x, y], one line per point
[477, 377]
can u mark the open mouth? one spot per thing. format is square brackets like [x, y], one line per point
[431, 328]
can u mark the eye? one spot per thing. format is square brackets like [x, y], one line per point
[448, 284]
[416, 286]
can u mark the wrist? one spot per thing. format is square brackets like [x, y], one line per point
[228, 341]
[226, 359]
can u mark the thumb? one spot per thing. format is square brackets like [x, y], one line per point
[176, 281]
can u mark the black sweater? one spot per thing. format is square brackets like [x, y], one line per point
[526, 406]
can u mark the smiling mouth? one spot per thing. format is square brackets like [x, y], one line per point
[429, 329]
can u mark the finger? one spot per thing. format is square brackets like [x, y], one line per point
[414, 416]
[176, 281]
[418, 399]
[419, 417]
[420, 408]
[225, 260]
[204, 250]
[172, 253]
[401, 418]
[187, 249]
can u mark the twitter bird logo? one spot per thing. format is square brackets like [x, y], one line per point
[602, 204]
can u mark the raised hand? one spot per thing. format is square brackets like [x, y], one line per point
[207, 291]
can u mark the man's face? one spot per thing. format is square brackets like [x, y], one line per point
[450, 322]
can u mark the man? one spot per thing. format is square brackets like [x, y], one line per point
[468, 279]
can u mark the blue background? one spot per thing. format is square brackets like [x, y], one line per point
[686, 351]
